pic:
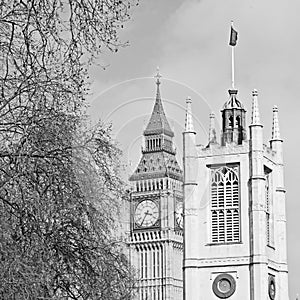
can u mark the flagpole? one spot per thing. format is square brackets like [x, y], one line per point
[232, 67]
[232, 62]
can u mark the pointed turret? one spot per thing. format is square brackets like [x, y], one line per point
[256, 133]
[191, 201]
[189, 126]
[212, 136]
[158, 122]
[189, 143]
[276, 144]
[275, 127]
[276, 141]
[257, 202]
[158, 151]
[256, 128]
[255, 118]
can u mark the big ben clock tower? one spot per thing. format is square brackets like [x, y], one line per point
[156, 245]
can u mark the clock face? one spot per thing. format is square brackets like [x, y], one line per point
[179, 214]
[146, 213]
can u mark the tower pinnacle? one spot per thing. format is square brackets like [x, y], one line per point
[158, 122]
[212, 137]
[255, 119]
[189, 127]
[275, 127]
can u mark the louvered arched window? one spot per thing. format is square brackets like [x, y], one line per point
[225, 205]
[269, 207]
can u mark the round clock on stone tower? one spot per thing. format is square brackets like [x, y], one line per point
[146, 214]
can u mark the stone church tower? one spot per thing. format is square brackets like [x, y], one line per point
[234, 209]
[156, 218]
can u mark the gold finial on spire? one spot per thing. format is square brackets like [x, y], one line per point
[157, 76]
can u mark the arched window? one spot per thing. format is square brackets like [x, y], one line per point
[238, 121]
[230, 119]
[142, 263]
[269, 207]
[225, 205]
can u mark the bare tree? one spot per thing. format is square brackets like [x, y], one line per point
[59, 180]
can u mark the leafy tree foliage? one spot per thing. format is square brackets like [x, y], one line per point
[59, 182]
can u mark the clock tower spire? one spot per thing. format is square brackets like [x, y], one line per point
[156, 210]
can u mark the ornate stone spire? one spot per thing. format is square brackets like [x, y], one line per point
[158, 122]
[189, 127]
[255, 119]
[158, 154]
[275, 127]
[212, 137]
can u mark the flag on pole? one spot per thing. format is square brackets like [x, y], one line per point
[233, 37]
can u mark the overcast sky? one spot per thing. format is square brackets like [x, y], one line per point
[188, 40]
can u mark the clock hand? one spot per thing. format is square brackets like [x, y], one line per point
[146, 213]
